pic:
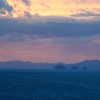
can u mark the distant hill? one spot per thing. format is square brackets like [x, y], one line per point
[74, 67]
[87, 65]
[25, 65]
[16, 65]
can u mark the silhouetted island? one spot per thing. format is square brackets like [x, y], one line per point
[59, 67]
[84, 67]
[74, 67]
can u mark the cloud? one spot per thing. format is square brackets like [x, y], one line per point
[49, 29]
[65, 8]
[86, 14]
[91, 1]
[4, 9]
[97, 41]
[2, 4]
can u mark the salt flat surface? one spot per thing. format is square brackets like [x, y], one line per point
[49, 85]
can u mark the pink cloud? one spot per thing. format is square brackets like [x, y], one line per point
[97, 41]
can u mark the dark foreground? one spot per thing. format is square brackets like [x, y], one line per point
[49, 85]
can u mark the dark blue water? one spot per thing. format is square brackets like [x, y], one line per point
[49, 85]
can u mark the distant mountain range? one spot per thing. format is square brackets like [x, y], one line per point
[87, 64]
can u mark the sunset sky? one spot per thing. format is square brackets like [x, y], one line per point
[49, 30]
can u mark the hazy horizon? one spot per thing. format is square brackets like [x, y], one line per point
[52, 62]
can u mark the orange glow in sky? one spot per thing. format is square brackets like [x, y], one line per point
[65, 8]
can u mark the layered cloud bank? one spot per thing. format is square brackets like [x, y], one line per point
[49, 30]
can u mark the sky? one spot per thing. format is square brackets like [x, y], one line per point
[49, 30]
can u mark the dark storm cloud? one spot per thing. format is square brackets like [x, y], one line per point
[50, 29]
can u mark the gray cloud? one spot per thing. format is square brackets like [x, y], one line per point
[6, 7]
[50, 29]
[86, 14]
[26, 2]
[2, 4]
